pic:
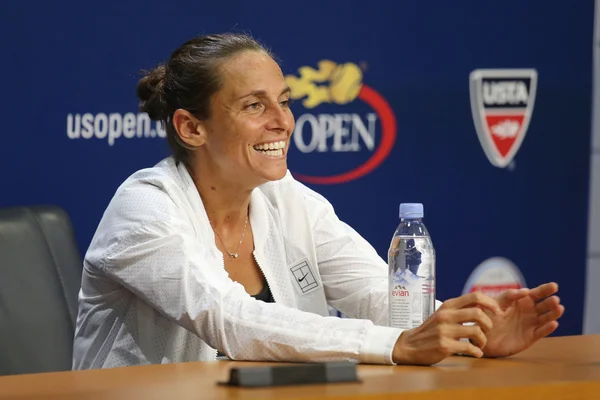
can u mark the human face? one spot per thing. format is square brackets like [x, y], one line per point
[248, 132]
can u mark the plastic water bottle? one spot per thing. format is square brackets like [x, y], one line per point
[411, 261]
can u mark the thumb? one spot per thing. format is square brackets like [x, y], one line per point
[510, 296]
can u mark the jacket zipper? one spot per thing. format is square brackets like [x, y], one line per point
[266, 281]
[223, 265]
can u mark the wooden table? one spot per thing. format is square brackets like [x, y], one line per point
[555, 368]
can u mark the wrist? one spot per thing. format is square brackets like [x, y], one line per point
[402, 353]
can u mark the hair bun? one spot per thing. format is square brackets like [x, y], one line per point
[150, 91]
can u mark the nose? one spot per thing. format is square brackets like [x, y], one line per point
[279, 119]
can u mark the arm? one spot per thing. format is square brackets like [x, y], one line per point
[151, 249]
[356, 283]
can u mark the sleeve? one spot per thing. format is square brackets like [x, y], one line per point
[355, 277]
[162, 261]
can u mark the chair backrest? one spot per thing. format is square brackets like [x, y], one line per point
[40, 277]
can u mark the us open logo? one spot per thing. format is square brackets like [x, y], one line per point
[353, 132]
[502, 104]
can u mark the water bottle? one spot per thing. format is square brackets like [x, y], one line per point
[411, 262]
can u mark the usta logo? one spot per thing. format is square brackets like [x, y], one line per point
[340, 84]
[502, 104]
[494, 276]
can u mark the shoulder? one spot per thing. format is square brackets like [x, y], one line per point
[163, 177]
[150, 203]
[150, 195]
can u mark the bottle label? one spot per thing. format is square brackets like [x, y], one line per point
[406, 300]
[412, 281]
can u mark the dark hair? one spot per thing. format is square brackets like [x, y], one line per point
[188, 81]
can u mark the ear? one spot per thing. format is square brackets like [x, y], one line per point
[189, 128]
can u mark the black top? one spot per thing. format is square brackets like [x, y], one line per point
[264, 295]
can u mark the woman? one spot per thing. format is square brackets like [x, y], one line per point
[218, 247]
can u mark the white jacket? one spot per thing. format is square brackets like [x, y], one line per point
[154, 288]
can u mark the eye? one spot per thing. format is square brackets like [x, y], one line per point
[287, 102]
[254, 106]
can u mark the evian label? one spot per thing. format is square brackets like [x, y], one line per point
[494, 276]
[405, 302]
[411, 281]
[502, 103]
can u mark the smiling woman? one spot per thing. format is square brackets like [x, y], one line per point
[219, 248]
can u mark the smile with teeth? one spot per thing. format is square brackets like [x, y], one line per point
[273, 149]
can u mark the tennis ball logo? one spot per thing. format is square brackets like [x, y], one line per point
[329, 83]
[346, 80]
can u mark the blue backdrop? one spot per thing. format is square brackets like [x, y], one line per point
[69, 73]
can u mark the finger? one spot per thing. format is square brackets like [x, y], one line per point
[543, 291]
[551, 315]
[474, 315]
[463, 347]
[545, 330]
[510, 296]
[473, 333]
[547, 304]
[473, 299]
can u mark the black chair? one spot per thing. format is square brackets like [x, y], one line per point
[40, 277]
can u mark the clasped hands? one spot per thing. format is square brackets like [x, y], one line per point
[495, 327]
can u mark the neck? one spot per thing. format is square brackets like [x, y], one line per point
[226, 202]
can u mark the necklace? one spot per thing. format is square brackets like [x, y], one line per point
[236, 254]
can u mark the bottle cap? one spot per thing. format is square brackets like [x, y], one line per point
[411, 210]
